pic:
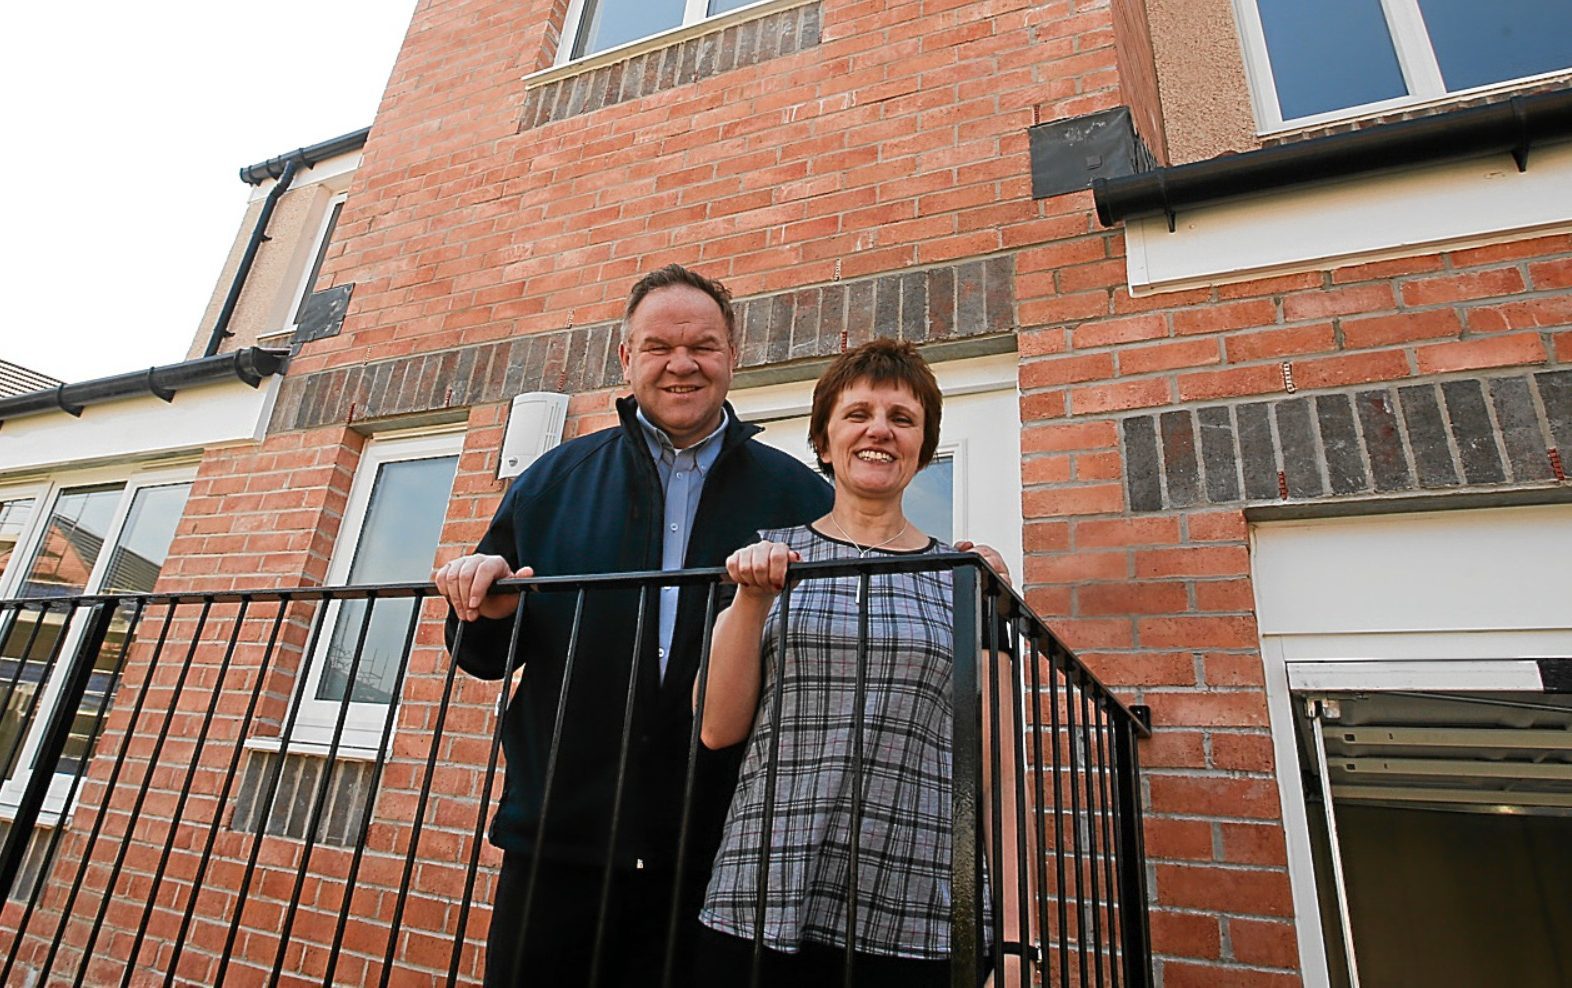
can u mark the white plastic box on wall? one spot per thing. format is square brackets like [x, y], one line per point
[534, 426]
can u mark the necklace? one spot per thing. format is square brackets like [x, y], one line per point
[862, 551]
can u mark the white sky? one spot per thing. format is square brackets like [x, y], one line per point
[125, 127]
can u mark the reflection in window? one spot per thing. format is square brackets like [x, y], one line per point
[14, 516]
[930, 500]
[609, 23]
[1477, 44]
[397, 543]
[1329, 55]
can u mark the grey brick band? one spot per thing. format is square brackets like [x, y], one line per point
[956, 301]
[1473, 432]
[749, 43]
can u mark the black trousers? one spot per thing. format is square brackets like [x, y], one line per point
[725, 961]
[556, 948]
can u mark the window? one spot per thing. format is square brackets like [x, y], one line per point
[1311, 63]
[392, 525]
[597, 25]
[109, 536]
[324, 240]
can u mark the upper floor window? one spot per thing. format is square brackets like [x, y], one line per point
[1314, 62]
[597, 25]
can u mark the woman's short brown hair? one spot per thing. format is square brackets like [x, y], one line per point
[878, 361]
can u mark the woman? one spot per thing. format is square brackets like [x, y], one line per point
[874, 424]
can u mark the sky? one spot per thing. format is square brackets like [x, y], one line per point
[126, 126]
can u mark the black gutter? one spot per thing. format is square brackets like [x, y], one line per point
[258, 237]
[250, 365]
[1513, 126]
[321, 151]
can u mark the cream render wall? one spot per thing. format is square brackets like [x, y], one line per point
[1201, 79]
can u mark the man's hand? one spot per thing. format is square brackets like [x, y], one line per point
[465, 581]
[990, 556]
[759, 570]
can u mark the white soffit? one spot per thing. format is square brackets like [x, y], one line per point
[1441, 573]
[1373, 217]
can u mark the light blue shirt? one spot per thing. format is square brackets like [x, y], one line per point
[682, 473]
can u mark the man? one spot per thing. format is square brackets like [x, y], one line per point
[680, 482]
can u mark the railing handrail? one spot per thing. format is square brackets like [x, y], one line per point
[1012, 603]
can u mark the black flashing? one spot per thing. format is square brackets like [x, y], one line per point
[1068, 155]
[321, 151]
[250, 365]
[1514, 127]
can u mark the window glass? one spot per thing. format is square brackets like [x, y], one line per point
[1477, 44]
[397, 543]
[608, 23]
[930, 500]
[722, 6]
[316, 263]
[1329, 55]
[73, 538]
[13, 519]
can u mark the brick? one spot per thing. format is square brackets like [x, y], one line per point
[1272, 286]
[1270, 344]
[1356, 368]
[1404, 327]
[1263, 943]
[1511, 250]
[1473, 431]
[1066, 370]
[1192, 561]
[1231, 383]
[1217, 526]
[1217, 454]
[1383, 441]
[1091, 499]
[1535, 313]
[1147, 668]
[1181, 467]
[1520, 430]
[1547, 275]
[1228, 890]
[1069, 436]
[1129, 329]
[1219, 596]
[1374, 270]
[1297, 442]
[1253, 843]
[1063, 308]
[1168, 356]
[1459, 287]
[1142, 472]
[1328, 302]
[1169, 839]
[1127, 597]
[1077, 567]
[1198, 632]
[1500, 351]
[1108, 533]
[1345, 467]
[1184, 934]
[1257, 451]
[1118, 397]
[1427, 436]
[1179, 974]
[1555, 391]
[1224, 317]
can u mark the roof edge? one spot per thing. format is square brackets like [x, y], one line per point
[321, 151]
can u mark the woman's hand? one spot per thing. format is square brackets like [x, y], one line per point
[759, 570]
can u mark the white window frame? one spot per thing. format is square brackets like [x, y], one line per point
[363, 725]
[299, 275]
[48, 495]
[694, 12]
[1415, 57]
[39, 492]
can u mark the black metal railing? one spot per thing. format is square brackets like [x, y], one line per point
[174, 815]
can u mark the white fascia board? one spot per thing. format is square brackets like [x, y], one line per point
[139, 428]
[335, 172]
[1372, 217]
[1445, 677]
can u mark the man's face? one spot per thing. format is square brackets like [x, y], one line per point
[678, 357]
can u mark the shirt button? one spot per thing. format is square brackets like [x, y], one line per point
[673, 526]
[679, 474]
[661, 652]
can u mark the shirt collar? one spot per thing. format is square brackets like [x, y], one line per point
[704, 451]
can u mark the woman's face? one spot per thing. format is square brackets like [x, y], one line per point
[873, 438]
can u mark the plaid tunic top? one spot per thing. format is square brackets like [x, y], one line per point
[903, 884]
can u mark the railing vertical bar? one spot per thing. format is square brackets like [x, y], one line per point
[13, 612]
[147, 782]
[668, 971]
[1072, 738]
[1061, 890]
[1132, 875]
[223, 799]
[420, 809]
[620, 786]
[44, 676]
[1041, 799]
[767, 828]
[859, 724]
[109, 793]
[1023, 891]
[1103, 817]
[58, 831]
[551, 777]
[264, 803]
[185, 795]
[482, 805]
[1092, 810]
[319, 798]
[372, 787]
[965, 784]
[988, 666]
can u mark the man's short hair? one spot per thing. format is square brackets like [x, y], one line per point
[880, 361]
[676, 274]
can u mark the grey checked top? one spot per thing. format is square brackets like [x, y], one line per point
[903, 885]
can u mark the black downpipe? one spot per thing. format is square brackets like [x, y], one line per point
[258, 236]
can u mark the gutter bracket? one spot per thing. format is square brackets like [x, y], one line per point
[1524, 141]
[65, 406]
[247, 373]
[1168, 206]
[167, 394]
